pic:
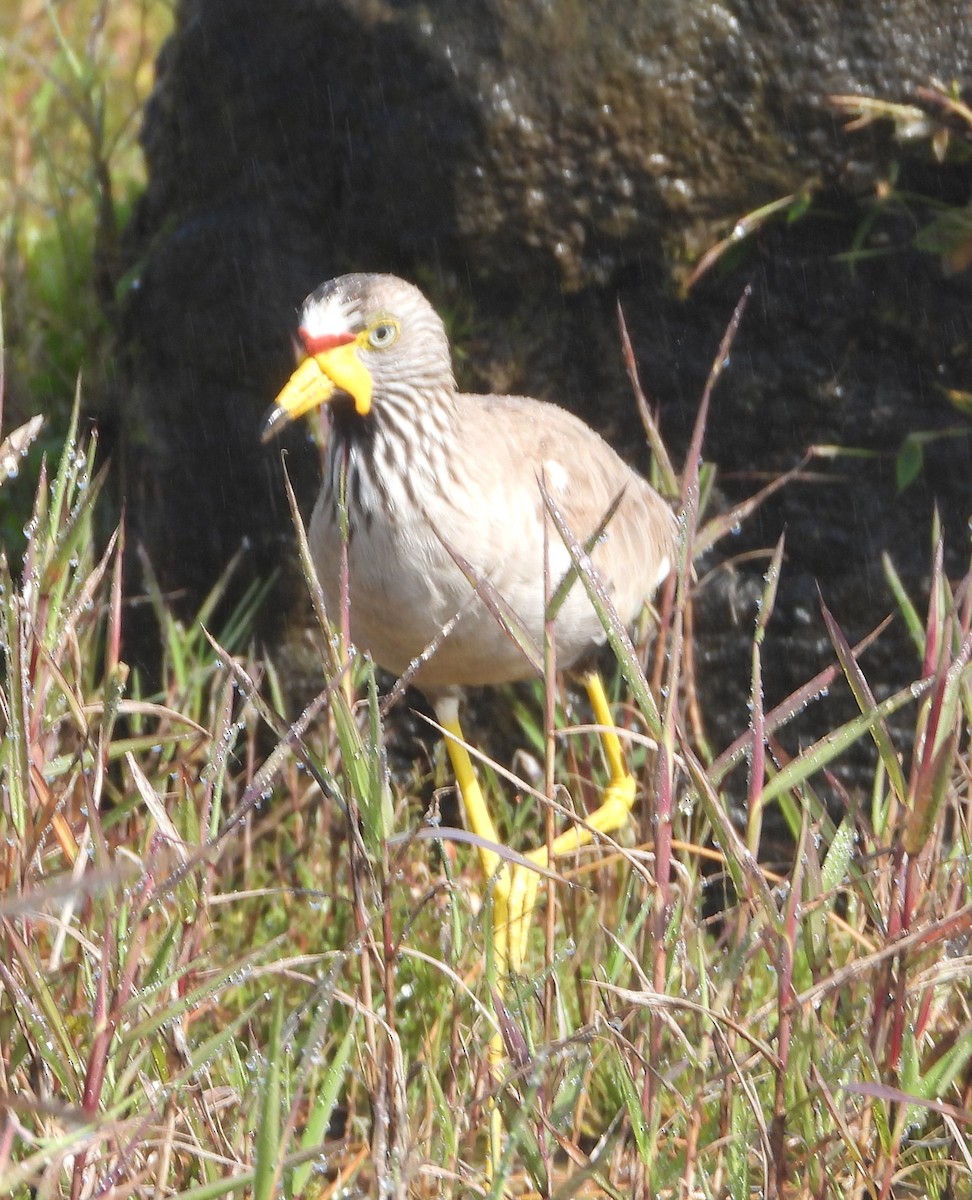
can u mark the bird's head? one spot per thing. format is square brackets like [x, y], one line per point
[366, 337]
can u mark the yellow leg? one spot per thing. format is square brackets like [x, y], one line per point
[494, 867]
[515, 887]
[477, 814]
[611, 816]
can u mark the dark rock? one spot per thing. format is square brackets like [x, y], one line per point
[528, 163]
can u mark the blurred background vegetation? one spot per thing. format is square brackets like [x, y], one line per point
[73, 79]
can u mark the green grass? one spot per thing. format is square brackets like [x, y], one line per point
[237, 958]
[74, 75]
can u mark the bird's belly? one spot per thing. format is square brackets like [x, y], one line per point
[405, 589]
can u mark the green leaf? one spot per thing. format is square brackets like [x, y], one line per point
[908, 465]
[838, 857]
[822, 752]
[636, 1112]
[322, 1107]
[739, 1145]
[935, 1081]
[268, 1135]
[910, 614]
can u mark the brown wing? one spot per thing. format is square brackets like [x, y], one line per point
[585, 476]
[516, 441]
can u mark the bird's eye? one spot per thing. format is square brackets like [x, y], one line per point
[382, 334]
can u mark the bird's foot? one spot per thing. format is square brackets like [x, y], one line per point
[619, 798]
[523, 898]
[516, 889]
[514, 900]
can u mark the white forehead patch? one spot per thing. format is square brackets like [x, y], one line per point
[326, 316]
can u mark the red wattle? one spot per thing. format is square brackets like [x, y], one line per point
[317, 344]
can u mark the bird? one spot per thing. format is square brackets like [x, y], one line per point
[440, 501]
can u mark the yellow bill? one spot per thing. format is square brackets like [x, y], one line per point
[317, 381]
